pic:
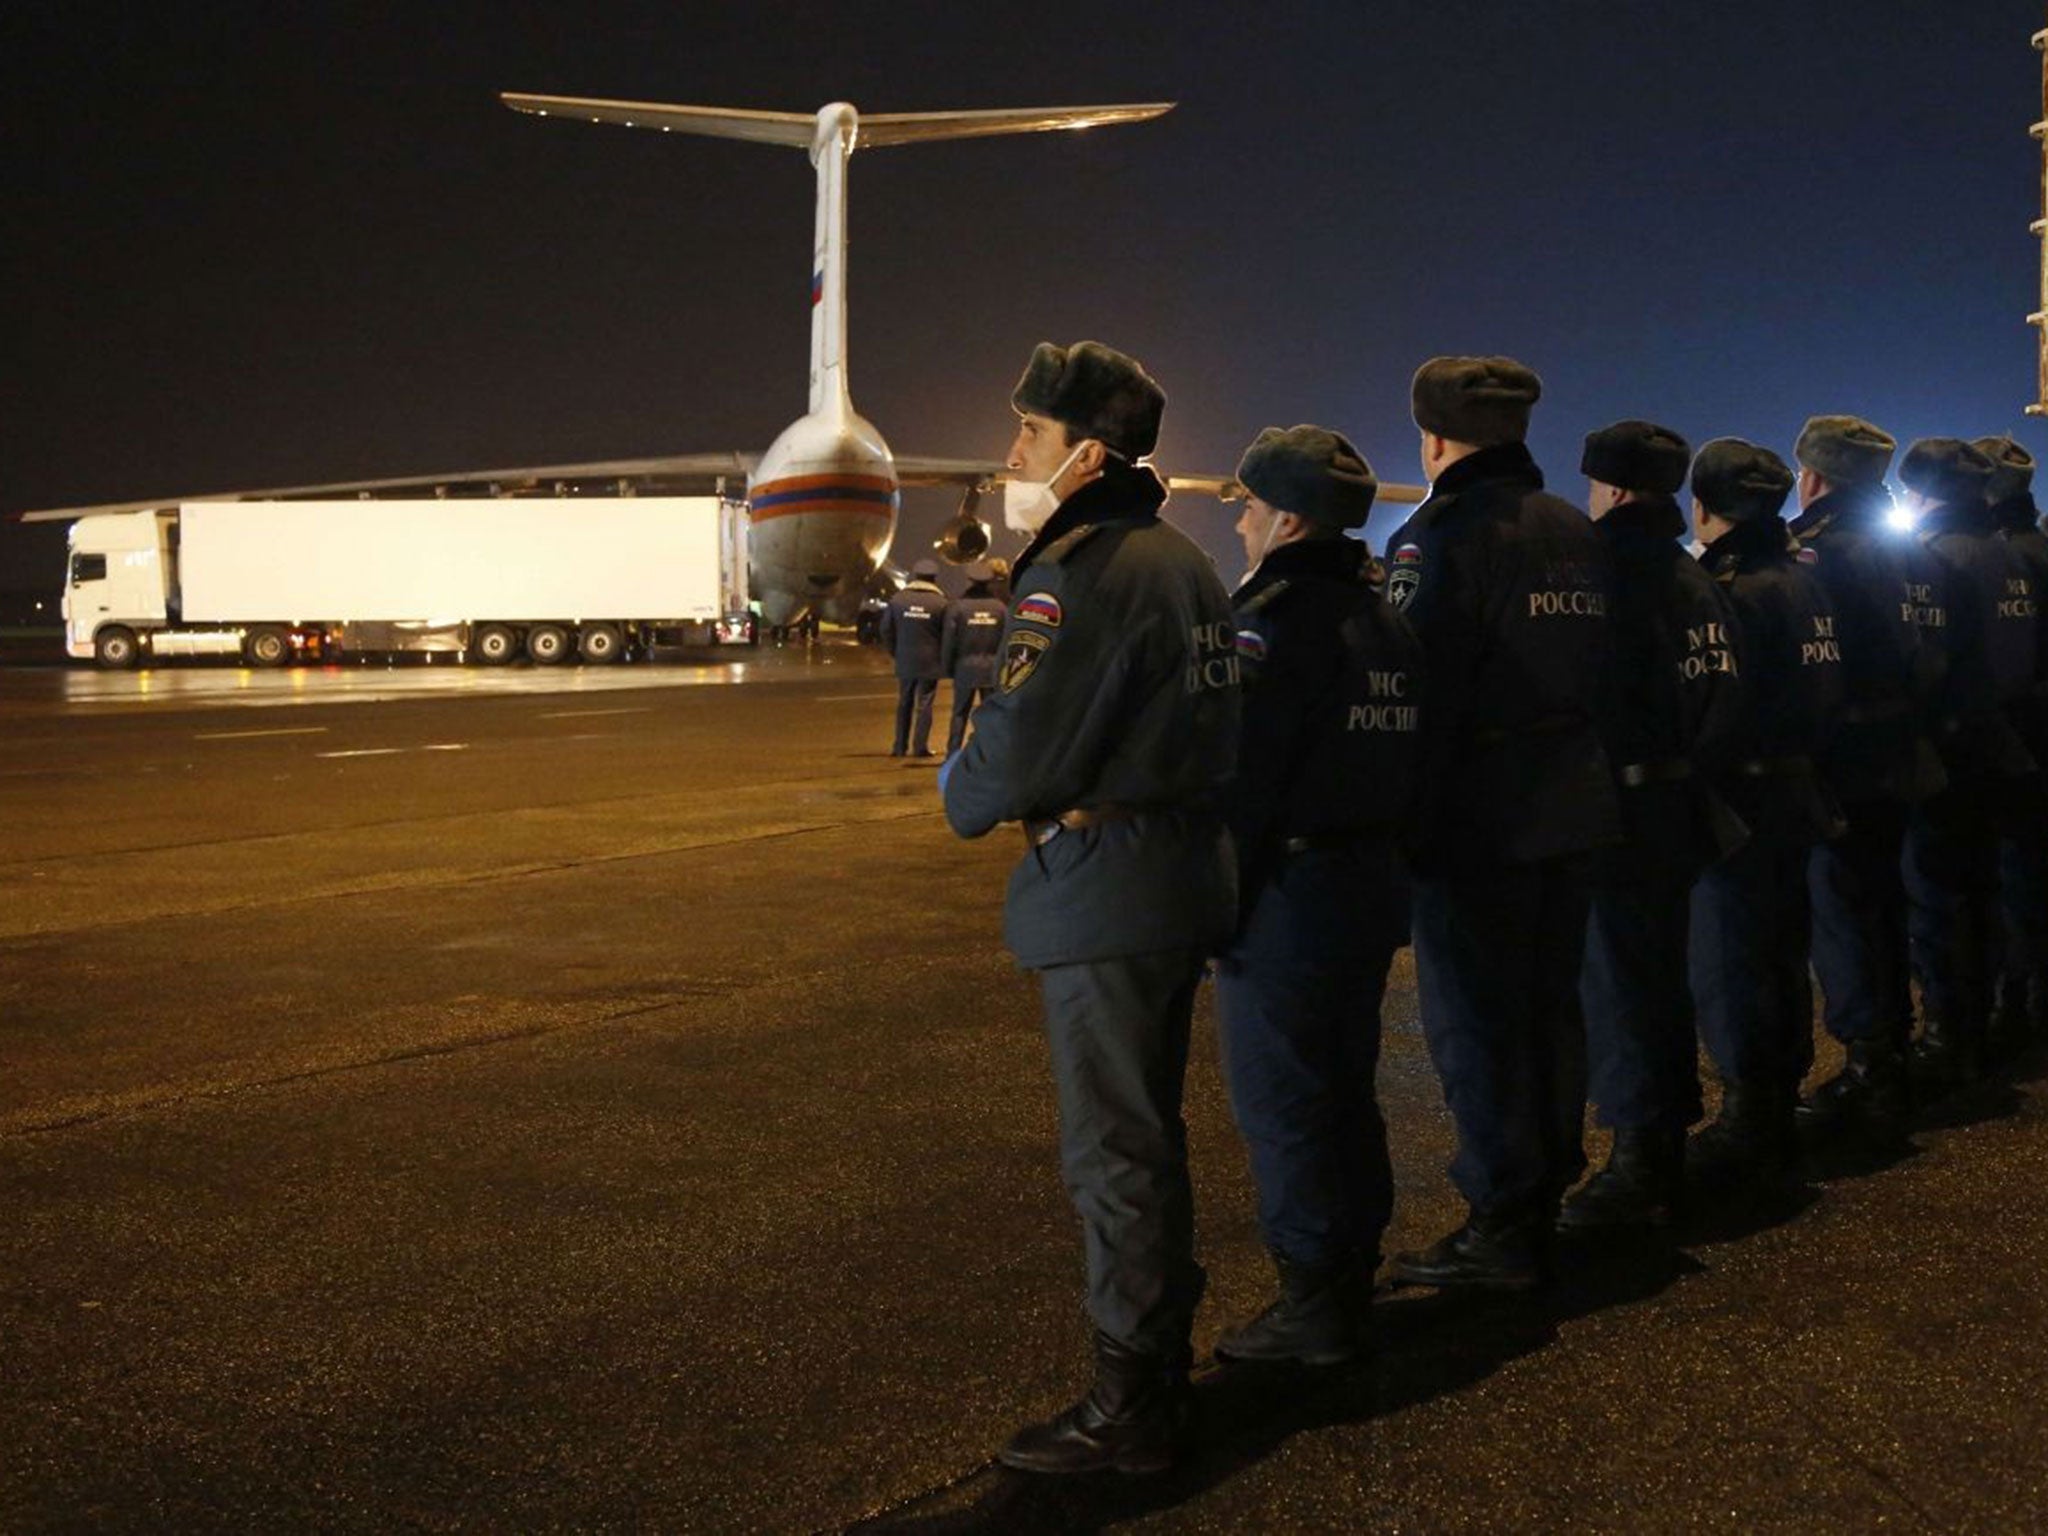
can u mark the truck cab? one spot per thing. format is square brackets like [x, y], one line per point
[119, 585]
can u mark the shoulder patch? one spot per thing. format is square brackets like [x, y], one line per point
[1251, 645]
[1066, 544]
[1021, 657]
[1806, 554]
[1039, 608]
[1404, 574]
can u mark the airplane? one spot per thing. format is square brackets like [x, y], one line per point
[823, 498]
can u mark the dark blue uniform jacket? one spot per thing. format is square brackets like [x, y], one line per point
[911, 628]
[1673, 714]
[1991, 645]
[1507, 589]
[2019, 523]
[1791, 663]
[1118, 693]
[1330, 750]
[1871, 572]
[971, 646]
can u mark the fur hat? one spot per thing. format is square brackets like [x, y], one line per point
[1845, 450]
[1477, 400]
[1946, 469]
[2012, 468]
[980, 573]
[926, 570]
[1636, 456]
[1740, 481]
[1093, 391]
[1311, 472]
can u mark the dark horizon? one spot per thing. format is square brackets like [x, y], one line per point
[256, 248]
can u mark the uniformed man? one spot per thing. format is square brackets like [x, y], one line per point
[1952, 843]
[1879, 765]
[1507, 588]
[970, 646]
[1327, 765]
[2020, 1007]
[1669, 723]
[1109, 736]
[912, 628]
[1749, 939]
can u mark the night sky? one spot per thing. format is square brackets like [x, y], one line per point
[272, 244]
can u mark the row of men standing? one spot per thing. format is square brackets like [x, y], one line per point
[1612, 771]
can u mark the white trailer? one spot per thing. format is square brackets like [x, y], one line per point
[550, 578]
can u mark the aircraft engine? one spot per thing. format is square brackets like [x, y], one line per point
[966, 538]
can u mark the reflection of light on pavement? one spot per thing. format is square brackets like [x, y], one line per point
[201, 684]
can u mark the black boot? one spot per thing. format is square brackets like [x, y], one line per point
[2013, 1015]
[1870, 1095]
[1489, 1253]
[1639, 1187]
[1751, 1139]
[1316, 1320]
[1948, 1055]
[1128, 1422]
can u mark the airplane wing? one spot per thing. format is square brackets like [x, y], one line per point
[797, 129]
[911, 470]
[679, 474]
[1228, 488]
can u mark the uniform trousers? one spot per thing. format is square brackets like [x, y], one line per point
[1857, 888]
[1952, 884]
[1638, 1003]
[965, 697]
[914, 696]
[1497, 953]
[1298, 1008]
[2023, 901]
[1118, 1030]
[1748, 961]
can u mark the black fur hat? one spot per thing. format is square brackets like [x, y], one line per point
[1845, 450]
[1311, 472]
[1477, 400]
[1740, 481]
[926, 570]
[1094, 391]
[2012, 468]
[1636, 456]
[1946, 469]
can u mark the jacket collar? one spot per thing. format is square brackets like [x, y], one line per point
[1123, 495]
[1649, 517]
[1957, 517]
[1748, 544]
[1341, 559]
[2016, 514]
[1511, 463]
[1850, 508]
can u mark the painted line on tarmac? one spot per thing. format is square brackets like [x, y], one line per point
[584, 714]
[287, 730]
[854, 698]
[432, 746]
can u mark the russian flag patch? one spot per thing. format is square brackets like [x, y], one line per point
[1039, 608]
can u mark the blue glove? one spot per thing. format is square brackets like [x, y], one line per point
[946, 770]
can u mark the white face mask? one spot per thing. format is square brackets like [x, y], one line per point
[1029, 504]
[1265, 549]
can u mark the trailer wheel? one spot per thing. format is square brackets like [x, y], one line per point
[548, 644]
[493, 644]
[266, 646]
[115, 648]
[600, 643]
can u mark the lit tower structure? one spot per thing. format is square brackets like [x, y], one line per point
[2039, 318]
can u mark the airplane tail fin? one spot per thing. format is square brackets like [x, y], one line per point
[798, 129]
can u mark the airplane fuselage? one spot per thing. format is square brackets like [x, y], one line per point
[823, 504]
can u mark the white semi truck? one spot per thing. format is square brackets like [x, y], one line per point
[493, 579]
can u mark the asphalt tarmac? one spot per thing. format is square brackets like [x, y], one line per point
[574, 1101]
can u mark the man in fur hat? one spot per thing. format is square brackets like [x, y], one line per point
[1108, 738]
